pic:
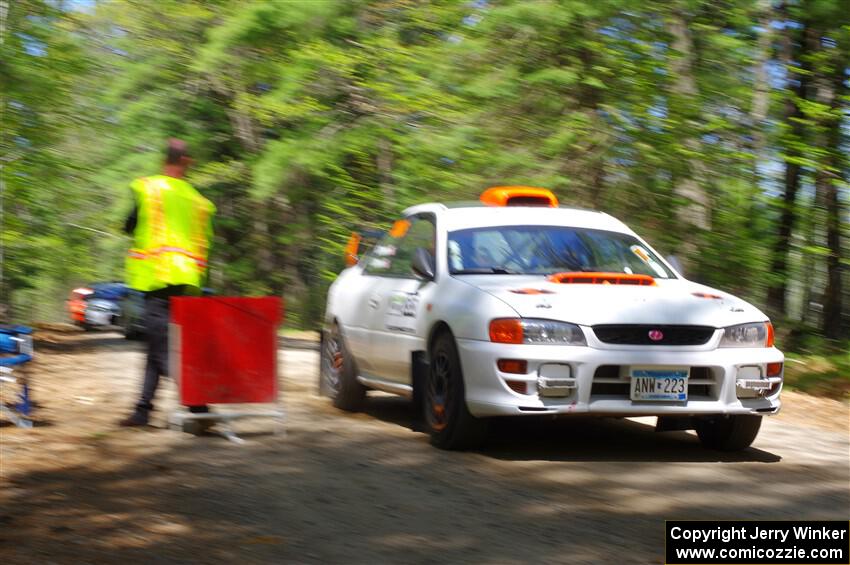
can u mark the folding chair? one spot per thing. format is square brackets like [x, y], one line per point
[15, 351]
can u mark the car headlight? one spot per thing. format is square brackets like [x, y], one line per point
[759, 334]
[534, 331]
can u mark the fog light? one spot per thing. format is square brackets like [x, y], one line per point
[517, 386]
[774, 369]
[515, 366]
[555, 379]
[749, 382]
[749, 372]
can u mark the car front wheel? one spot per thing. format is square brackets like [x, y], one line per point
[449, 421]
[129, 331]
[338, 373]
[728, 433]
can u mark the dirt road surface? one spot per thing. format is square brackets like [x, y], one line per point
[366, 488]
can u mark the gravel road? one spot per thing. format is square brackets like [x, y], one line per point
[367, 488]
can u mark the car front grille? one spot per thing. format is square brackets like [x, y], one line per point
[646, 334]
[703, 383]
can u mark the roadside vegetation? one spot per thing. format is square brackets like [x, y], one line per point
[819, 367]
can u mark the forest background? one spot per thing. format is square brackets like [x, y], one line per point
[719, 130]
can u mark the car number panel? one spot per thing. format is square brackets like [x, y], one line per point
[402, 308]
[666, 384]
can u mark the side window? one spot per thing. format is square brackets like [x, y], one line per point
[382, 257]
[392, 256]
[422, 233]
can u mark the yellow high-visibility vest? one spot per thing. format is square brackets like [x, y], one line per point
[172, 236]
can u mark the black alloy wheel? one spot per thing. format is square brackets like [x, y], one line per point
[450, 424]
[338, 373]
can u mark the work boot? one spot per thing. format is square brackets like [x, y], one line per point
[136, 419]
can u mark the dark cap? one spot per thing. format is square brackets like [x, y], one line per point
[176, 151]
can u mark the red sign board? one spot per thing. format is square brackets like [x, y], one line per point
[224, 349]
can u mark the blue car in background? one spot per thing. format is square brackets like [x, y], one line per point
[98, 304]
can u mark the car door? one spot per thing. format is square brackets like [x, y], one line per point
[379, 270]
[397, 300]
[350, 305]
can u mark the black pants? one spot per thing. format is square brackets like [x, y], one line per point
[157, 314]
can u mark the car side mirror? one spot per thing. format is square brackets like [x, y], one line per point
[351, 249]
[423, 264]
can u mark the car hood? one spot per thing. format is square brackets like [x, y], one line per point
[670, 301]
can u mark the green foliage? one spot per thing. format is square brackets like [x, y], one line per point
[823, 373]
[308, 120]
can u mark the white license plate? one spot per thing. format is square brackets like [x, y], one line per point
[656, 383]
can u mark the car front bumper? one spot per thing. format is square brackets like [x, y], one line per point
[99, 317]
[599, 382]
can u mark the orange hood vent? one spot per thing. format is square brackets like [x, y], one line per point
[602, 278]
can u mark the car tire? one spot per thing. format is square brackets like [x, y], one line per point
[728, 433]
[129, 332]
[338, 373]
[132, 331]
[449, 422]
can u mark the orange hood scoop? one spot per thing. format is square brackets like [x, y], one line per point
[601, 278]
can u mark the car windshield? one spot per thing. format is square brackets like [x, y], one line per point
[543, 250]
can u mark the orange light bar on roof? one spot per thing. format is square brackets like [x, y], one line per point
[602, 278]
[519, 196]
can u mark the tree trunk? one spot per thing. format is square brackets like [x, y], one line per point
[832, 307]
[808, 272]
[243, 128]
[592, 160]
[829, 176]
[776, 299]
[695, 214]
[761, 86]
[384, 164]
[265, 242]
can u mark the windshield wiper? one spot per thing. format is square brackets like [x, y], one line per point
[485, 271]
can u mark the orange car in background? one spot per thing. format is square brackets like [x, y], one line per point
[77, 305]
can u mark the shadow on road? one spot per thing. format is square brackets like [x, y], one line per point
[576, 438]
[377, 496]
[606, 439]
[79, 341]
[36, 423]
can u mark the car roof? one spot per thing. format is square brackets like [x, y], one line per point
[475, 215]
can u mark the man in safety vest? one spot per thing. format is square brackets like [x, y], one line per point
[171, 225]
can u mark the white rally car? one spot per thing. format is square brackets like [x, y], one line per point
[514, 306]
